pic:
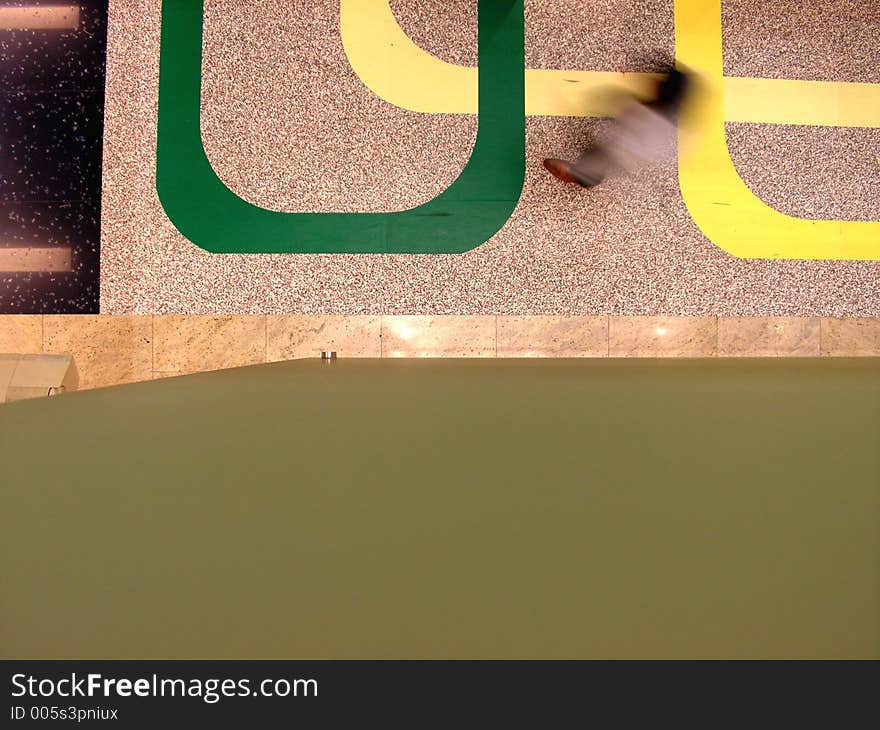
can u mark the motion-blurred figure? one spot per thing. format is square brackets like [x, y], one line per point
[637, 135]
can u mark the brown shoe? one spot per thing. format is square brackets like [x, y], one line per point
[561, 169]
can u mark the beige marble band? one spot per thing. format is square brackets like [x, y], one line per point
[110, 350]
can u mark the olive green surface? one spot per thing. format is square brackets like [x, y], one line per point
[449, 509]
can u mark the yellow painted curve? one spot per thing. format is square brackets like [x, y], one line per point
[721, 204]
[401, 73]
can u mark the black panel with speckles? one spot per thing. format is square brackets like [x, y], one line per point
[51, 130]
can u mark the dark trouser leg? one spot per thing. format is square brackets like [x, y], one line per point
[592, 166]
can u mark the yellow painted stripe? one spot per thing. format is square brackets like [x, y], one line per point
[790, 101]
[40, 17]
[401, 73]
[35, 259]
[721, 204]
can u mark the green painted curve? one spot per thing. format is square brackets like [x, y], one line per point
[462, 217]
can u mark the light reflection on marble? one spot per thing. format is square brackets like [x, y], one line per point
[446, 336]
[662, 336]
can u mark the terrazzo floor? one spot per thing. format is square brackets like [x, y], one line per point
[288, 125]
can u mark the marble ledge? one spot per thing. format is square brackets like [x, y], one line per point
[116, 349]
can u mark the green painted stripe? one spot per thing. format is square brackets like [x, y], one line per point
[462, 217]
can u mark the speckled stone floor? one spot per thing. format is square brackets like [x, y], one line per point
[288, 126]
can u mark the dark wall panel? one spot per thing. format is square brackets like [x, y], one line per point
[51, 130]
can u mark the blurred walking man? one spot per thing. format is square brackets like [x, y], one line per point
[637, 135]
